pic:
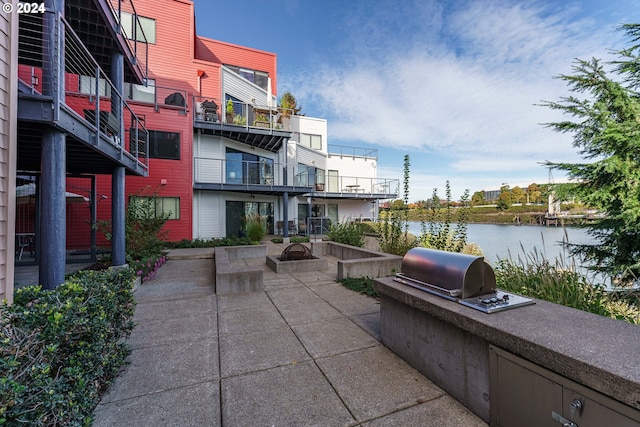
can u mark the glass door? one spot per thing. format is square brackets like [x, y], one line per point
[333, 183]
[235, 214]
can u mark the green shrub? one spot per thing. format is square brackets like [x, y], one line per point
[347, 233]
[364, 285]
[208, 243]
[391, 236]
[535, 277]
[277, 240]
[60, 349]
[147, 268]
[144, 232]
[255, 227]
[299, 239]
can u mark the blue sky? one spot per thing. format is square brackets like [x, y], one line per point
[451, 83]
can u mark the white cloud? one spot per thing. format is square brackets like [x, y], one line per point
[458, 78]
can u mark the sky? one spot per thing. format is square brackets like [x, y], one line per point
[457, 85]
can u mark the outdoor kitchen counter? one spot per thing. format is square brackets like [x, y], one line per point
[595, 351]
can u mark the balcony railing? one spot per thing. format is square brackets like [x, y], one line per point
[88, 93]
[244, 114]
[346, 151]
[269, 174]
[241, 172]
[350, 186]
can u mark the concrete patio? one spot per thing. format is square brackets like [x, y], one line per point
[305, 351]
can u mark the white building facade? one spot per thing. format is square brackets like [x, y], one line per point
[300, 186]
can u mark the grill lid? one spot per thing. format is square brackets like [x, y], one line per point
[448, 274]
[459, 277]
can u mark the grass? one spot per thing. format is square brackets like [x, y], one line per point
[561, 283]
[363, 285]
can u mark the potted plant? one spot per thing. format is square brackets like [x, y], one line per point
[261, 121]
[229, 111]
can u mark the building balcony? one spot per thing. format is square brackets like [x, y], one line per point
[267, 176]
[349, 187]
[255, 124]
[73, 94]
[260, 177]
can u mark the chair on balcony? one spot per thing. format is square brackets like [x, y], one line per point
[279, 227]
[292, 227]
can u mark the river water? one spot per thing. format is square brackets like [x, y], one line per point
[508, 241]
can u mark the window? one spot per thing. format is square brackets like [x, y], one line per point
[169, 206]
[259, 78]
[245, 168]
[164, 145]
[87, 85]
[310, 175]
[146, 25]
[141, 93]
[310, 141]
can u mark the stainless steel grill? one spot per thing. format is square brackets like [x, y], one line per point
[458, 277]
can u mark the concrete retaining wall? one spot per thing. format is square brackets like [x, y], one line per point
[358, 262]
[230, 279]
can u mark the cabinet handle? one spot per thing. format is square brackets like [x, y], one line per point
[576, 407]
[565, 422]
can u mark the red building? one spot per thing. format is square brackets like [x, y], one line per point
[181, 66]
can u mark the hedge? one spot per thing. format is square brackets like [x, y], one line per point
[60, 349]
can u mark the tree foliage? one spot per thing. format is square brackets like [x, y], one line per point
[505, 199]
[393, 231]
[289, 105]
[605, 124]
[437, 231]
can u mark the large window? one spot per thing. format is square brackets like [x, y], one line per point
[259, 78]
[146, 25]
[237, 212]
[246, 168]
[310, 140]
[164, 145]
[169, 206]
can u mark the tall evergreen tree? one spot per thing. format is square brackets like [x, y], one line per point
[605, 125]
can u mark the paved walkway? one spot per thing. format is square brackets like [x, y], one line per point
[306, 351]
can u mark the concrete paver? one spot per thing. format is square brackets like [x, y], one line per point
[253, 351]
[375, 382]
[292, 395]
[154, 369]
[250, 320]
[305, 351]
[192, 406]
[296, 314]
[167, 331]
[334, 336]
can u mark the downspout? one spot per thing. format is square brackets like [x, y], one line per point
[200, 74]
